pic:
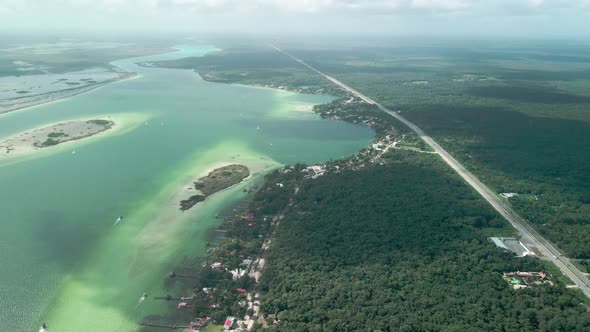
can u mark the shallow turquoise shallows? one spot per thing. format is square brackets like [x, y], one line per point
[64, 261]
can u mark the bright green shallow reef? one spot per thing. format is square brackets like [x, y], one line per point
[64, 261]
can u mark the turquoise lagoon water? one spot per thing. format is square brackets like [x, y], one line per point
[64, 262]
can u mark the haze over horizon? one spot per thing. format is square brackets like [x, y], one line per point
[519, 18]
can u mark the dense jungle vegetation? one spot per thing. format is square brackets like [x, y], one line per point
[403, 246]
[517, 115]
[262, 66]
[400, 247]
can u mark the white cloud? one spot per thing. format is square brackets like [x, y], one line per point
[294, 6]
[263, 15]
[441, 4]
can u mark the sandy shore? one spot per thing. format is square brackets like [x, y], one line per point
[29, 144]
[260, 87]
[290, 109]
[49, 136]
[171, 218]
[306, 108]
[189, 189]
[218, 180]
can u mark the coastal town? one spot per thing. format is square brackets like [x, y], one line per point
[294, 165]
[226, 293]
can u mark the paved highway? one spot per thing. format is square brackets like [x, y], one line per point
[527, 232]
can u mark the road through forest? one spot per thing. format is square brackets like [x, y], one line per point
[528, 233]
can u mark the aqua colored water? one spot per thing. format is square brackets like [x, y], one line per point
[65, 263]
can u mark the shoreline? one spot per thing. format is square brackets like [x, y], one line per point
[170, 221]
[66, 93]
[246, 232]
[283, 88]
[188, 188]
[216, 236]
[215, 181]
[296, 109]
[239, 225]
[170, 212]
[121, 123]
[15, 147]
[145, 237]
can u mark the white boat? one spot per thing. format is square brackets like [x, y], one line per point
[142, 298]
[118, 220]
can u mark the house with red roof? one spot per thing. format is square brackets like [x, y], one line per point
[229, 322]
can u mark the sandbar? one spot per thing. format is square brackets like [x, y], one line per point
[66, 134]
[56, 134]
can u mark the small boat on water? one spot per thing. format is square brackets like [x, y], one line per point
[73, 151]
[142, 298]
[43, 328]
[118, 220]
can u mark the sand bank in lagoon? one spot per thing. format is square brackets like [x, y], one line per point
[150, 241]
[290, 107]
[29, 144]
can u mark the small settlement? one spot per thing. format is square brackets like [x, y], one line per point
[224, 292]
[226, 289]
[520, 280]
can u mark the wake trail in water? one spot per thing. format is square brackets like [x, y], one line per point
[118, 220]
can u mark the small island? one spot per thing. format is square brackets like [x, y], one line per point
[55, 134]
[217, 180]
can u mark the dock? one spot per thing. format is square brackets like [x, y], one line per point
[168, 326]
[179, 275]
[169, 298]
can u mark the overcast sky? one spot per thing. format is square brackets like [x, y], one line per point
[396, 17]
